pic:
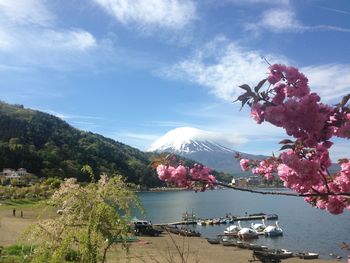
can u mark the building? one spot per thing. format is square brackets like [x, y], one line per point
[239, 182]
[247, 181]
[21, 176]
[254, 180]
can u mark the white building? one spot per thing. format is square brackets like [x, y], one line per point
[247, 181]
[8, 174]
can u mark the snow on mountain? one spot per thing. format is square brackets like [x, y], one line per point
[187, 140]
[202, 146]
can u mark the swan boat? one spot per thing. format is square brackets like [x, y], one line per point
[273, 231]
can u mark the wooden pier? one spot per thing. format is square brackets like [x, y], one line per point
[234, 218]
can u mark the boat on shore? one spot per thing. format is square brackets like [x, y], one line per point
[182, 231]
[213, 241]
[243, 245]
[272, 255]
[307, 255]
[229, 243]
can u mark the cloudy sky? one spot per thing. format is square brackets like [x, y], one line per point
[133, 70]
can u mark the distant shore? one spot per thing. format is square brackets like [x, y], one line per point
[166, 189]
[171, 189]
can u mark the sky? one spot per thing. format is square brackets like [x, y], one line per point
[132, 70]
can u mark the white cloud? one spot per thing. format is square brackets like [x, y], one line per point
[138, 136]
[330, 81]
[222, 66]
[6, 41]
[166, 123]
[270, 2]
[30, 38]
[66, 40]
[26, 12]
[280, 20]
[71, 116]
[172, 14]
[283, 19]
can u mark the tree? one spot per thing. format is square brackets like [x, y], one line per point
[90, 220]
[284, 100]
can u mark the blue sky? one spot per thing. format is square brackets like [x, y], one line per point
[134, 70]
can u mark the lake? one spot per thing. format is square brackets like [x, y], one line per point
[305, 227]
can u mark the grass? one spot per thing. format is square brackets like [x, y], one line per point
[21, 203]
[16, 253]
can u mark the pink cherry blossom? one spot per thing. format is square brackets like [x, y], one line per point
[244, 163]
[257, 113]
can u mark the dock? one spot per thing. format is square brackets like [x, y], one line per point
[194, 221]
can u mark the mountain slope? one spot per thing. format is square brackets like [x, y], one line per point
[196, 145]
[48, 146]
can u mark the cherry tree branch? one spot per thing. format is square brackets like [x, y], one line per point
[281, 193]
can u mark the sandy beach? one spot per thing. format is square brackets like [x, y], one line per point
[165, 248]
[194, 249]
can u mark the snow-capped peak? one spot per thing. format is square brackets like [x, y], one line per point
[188, 140]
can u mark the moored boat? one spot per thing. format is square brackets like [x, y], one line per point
[271, 217]
[233, 229]
[307, 255]
[259, 227]
[247, 233]
[272, 255]
[256, 247]
[244, 245]
[232, 243]
[213, 241]
[273, 231]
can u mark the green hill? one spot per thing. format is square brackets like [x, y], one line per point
[48, 146]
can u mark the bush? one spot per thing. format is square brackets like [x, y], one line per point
[72, 256]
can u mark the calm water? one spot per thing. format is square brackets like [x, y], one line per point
[305, 228]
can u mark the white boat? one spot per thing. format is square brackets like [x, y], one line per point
[307, 255]
[200, 222]
[247, 233]
[259, 227]
[233, 229]
[273, 231]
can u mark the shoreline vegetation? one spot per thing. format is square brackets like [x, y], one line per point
[146, 249]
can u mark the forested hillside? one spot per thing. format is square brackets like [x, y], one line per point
[48, 146]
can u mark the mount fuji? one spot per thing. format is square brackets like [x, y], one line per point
[201, 146]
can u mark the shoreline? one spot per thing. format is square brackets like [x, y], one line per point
[195, 249]
[146, 250]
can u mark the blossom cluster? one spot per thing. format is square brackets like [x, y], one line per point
[304, 166]
[198, 177]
